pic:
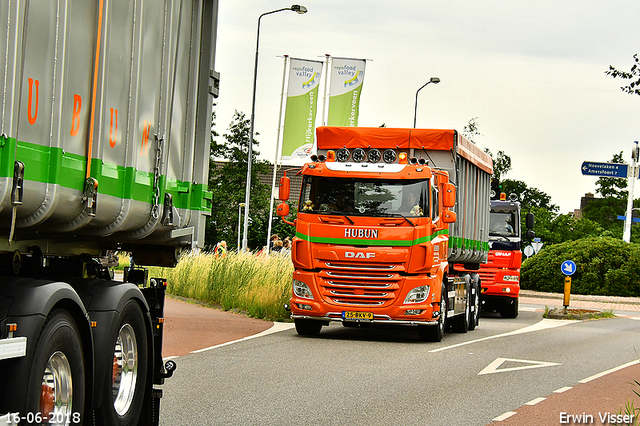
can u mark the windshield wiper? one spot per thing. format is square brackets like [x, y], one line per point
[343, 214]
[405, 218]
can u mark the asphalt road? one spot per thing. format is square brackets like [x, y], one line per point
[386, 376]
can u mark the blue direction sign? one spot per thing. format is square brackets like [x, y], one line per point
[605, 169]
[568, 267]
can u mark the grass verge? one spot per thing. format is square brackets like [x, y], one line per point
[257, 286]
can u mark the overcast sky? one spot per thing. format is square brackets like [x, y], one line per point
[532, 72]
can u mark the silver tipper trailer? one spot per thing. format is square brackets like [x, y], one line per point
[105, 118]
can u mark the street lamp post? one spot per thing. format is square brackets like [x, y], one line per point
[240, 206]
[298, 9]
[434, 80]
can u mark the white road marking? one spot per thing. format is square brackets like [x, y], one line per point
[564, 389]
[541, 325]
[504, 416]
[535, 401]
[494, 367]
[276, 328]
[604, 373]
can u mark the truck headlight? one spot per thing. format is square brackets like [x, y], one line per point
[511, 278]
[417, 295]
[300, 289]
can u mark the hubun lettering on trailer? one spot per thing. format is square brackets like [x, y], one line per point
[360, 233]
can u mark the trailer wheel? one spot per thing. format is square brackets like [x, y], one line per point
[56, 387]
[462, 321]
[475, 303]
[509, 309]
[434, 333]
[127, 371]
[307, 327]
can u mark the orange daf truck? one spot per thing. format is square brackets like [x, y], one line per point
[383, 215]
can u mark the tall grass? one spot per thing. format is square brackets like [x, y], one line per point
[256, 285]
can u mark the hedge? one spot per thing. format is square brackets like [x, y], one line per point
[605, 266]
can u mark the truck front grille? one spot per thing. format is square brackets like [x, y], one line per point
[360, 284]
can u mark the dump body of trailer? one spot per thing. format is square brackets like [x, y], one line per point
[104, 141]
[382, 215]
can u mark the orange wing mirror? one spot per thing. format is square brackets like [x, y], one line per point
[284, 189]
[448, 195]
[448, 216]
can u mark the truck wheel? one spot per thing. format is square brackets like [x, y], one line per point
[509, 309]
[475, 304]
[56, 386]
[434, 333]
[307, 327]
[127, 372]
[462, 321]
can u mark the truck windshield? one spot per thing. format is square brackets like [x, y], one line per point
[364, 197]
[503, 224]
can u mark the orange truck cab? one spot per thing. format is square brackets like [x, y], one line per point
[501, 274]
[382, 216]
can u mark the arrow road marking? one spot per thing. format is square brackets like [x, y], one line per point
[541, 325]
[494, 367]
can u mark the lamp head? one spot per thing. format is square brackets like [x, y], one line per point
[435, 80]
[299, 9]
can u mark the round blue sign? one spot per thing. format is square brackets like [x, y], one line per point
[568, 267]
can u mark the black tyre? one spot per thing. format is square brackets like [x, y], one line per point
[434, 333]
[462, 321]
[307, 327]
[56, 387]
[475, 304]
[126, 371]
[509, 309]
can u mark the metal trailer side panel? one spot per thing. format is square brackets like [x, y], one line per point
[131, 82]
[469, 235]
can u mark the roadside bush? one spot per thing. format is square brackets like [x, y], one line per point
[605, 266]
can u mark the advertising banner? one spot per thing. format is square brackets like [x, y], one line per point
[300, 111]
[347, 76]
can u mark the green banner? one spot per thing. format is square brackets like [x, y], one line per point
[300, 112]
[347, 76]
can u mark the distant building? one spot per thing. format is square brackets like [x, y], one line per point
[267, 179]
[584, 201]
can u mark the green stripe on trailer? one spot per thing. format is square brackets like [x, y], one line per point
[55, 166]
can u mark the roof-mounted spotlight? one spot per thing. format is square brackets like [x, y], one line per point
[342, 155]
[413, 161]
[374, 155]
[389, 156]
[358, 155]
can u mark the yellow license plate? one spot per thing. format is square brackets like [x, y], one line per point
[357, 316]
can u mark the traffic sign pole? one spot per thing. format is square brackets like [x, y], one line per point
[567, 292]
[626, 236]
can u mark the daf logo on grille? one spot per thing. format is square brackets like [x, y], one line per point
[358, 255]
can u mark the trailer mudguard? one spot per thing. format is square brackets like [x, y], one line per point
[104, 301]
[31, 300]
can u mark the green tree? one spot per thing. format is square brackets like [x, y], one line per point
[633, 88]
[605, 210]
[470, 130]
[227, 182]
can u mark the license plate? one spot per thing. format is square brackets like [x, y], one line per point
[357, 316]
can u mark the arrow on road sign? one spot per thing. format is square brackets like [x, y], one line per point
[494, 367]
[568, 267]
[605, 169]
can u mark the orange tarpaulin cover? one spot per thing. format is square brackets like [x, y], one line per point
[384, 137]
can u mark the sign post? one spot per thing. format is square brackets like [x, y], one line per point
[568, 268]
